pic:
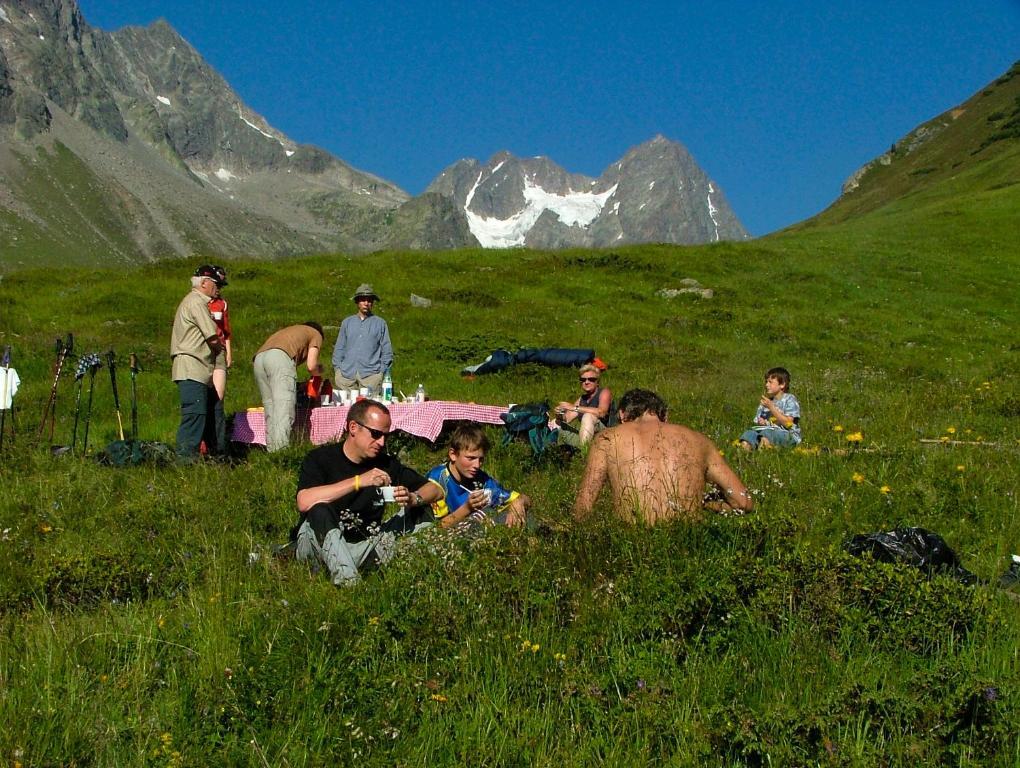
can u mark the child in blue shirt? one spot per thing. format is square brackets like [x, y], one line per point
[777, 421]
[468, 492]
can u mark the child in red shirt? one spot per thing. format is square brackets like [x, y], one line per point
[218, 308]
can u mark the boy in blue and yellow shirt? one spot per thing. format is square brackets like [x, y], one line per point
[468, 492]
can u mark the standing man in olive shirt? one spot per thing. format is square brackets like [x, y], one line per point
[276, 365]
[194, 345]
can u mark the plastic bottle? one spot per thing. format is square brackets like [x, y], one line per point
[419, 395]
[387, 387]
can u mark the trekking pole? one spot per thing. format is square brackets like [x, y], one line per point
[134, 396]
[110, 361]
[79, 376]
[64, 350]
[3, 396]
[95, 365]
[85, 363]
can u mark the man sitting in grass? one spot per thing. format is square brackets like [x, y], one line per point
[777, 420]
[657, 471]
[469, 494]
[341, 499]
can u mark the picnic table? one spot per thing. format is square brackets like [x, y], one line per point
[326, 423]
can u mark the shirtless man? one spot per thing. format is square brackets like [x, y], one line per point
[657, 471]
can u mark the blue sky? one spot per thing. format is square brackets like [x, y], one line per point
[779, 102]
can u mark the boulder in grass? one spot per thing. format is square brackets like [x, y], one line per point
[672, 293]
[420, 301]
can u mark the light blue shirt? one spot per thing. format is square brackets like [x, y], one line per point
[362, 347]
[789, 405]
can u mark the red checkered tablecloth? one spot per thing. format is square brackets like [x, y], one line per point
[250, 426]
[326, 423]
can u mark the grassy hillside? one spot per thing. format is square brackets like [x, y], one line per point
[143, 622]
[971, 147]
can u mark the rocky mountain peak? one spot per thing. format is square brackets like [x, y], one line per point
[655, 193]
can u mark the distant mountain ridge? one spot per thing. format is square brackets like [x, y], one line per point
[655, 193]
[127, 145]
[971, 147]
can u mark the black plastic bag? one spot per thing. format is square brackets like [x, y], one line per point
[914, 546]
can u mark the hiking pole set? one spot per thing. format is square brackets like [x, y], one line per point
[87, 364]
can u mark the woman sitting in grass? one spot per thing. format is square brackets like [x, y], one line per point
[592, 410]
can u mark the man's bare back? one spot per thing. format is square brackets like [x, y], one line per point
[657, 471]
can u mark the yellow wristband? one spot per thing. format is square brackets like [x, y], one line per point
[357, 482]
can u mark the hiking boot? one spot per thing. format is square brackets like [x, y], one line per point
[1011, 577]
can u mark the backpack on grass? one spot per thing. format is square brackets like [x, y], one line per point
[530, 420]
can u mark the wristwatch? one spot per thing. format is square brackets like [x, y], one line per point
[418, 500]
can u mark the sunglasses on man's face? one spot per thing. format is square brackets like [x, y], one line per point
[588, 379]
[375, 433]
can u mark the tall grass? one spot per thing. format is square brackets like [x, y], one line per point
[144, 621]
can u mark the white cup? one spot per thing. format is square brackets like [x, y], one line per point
[387, 493]
[364, 392]
[217, 315]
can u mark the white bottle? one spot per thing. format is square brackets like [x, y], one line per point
[419, 395]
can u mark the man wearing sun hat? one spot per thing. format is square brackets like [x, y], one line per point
[363, 351]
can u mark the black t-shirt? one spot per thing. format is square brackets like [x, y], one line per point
[361, 509]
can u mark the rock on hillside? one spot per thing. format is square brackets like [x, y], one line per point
[655, 193]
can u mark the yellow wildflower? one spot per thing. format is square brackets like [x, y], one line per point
[855, 437]
[885, 489]
[951, 430]
[438, 697]
[857, 478]
[960, 468]
[838, 428]
[45, 527]
[373, 620]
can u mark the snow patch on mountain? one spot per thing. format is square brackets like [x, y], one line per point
[3, 15]
[573, 209]
[163, 100]
[712, 211]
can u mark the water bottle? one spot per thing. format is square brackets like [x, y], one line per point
[419, 395]
[387, 387]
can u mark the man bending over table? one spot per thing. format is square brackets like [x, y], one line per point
[341, 502]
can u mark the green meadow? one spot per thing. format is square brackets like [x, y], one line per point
[144, 622]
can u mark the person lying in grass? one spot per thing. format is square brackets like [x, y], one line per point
[657, 471]
[469, 494]
[777, 420]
